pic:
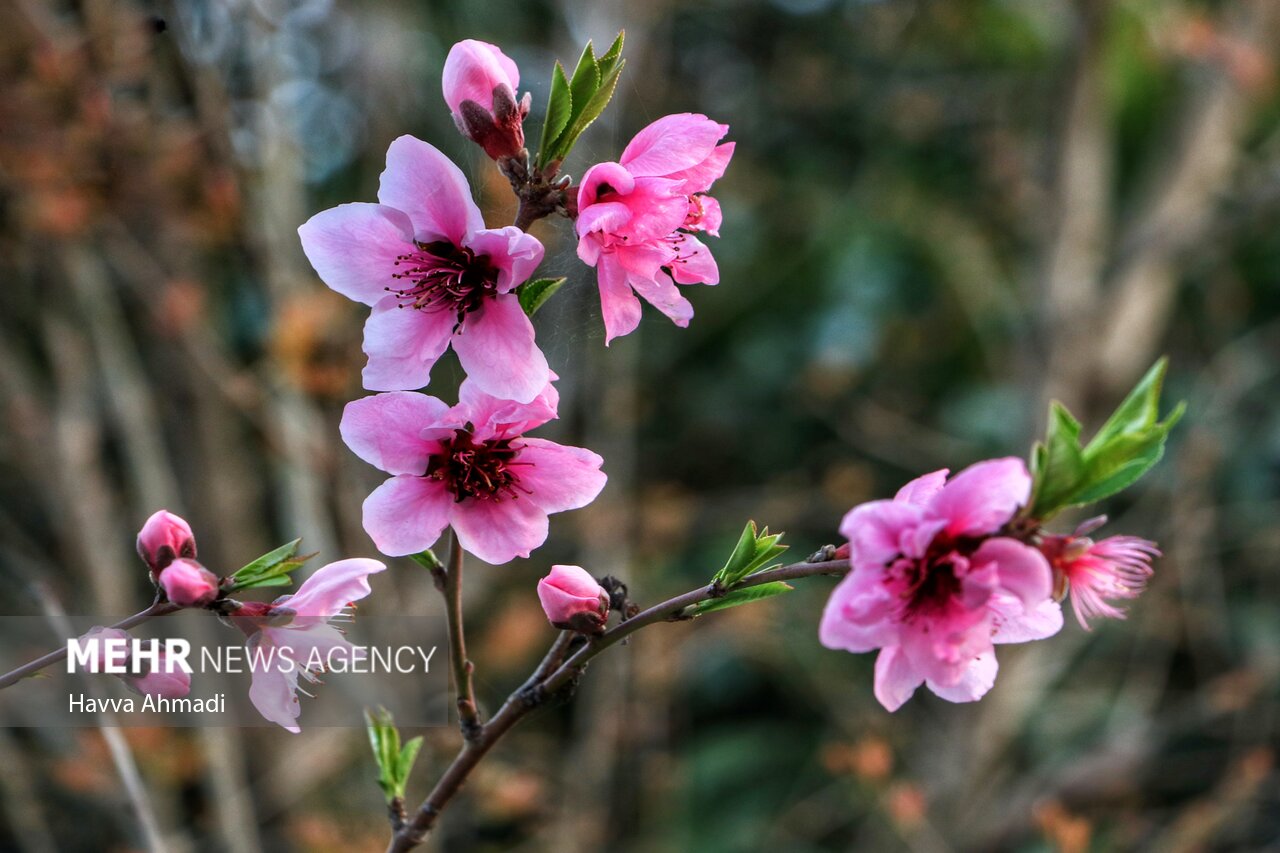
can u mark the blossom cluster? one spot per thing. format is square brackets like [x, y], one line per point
[435, 278]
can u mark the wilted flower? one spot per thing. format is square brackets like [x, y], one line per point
[573, 600]
[470, 467]
[933, 585]
[291, 637]
[480, 85]
[434, 276]
[1115, 567]
[637, 218]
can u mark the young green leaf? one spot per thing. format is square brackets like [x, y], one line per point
[271, 569]
[1126, 447]
[754, 551]
[559, 111]
[270, 580]
[586, 78]
[589, 112]
[737, 597]
[428, 560]
[534, 294]
[394, 761]
[611, 56]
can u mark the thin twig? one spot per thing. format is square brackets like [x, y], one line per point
[468, 712]
[540, 686]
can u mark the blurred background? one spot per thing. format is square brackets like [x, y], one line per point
[941, 214]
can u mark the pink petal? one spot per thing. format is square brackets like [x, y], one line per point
[353, 248]
[612, 177]
[560, 478]
[403, 344]
[979, 676]
[405, 515]
[515, 253]
[943, 646]
[1016, 624]
[695, 265]
[331, 588]
[618, 303]
[385, 430]
[605, 217]
[671, 144]
[472, 70]
[875, 531]
[661, 293]
[983, 497]
[272, 690]
[427, 186]
[492, 416]
[896, 678]
[498, 352]
[920, 490]
[699, 178]
[317, 639]
[498, 531]
[1023, 570]
[855, 616]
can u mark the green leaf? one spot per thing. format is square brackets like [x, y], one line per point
[428, 560]
[1126, 447]
[585, 80]
[755, 549]
[590, 112]
[534, 294]
[271, 569]
[559, 111]
[588, 92]
[737, 597]
[394, 761]
[611, 56]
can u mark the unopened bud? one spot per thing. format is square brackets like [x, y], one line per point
[573, 600]
[188, 584]
[164, 538]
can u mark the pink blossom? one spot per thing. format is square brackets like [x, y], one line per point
[638, 219]
[292, 636]
[188, 584]
[167, 678]
[470, 467]
[933, 585]
[573, 600]
[163, 538]
[1116, 567]
[480, 85]
[434, 276]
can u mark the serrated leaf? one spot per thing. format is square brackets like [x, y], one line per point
[1126, 447]
[404, 765]
[394, 762]
[534, 294]
[585, 80]
[613, 53]
[559, 111]
[738, 597]
[589, 113]
[268, 560]
[743, 553]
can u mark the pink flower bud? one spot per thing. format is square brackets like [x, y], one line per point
[160, 681]
[188, 584]
[572, 599]
[164, 538]
[480, 88]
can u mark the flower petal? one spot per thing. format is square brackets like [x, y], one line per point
[618, 303]
[403, 344]
[875, 531]
[1023, 570]
[331, 588]
[405, 515]
[983, 497]
[428, 187]
[855, 616]
[273, 691]
[920, 490]
[498, 352]
[1017, 624]
[979, 677]
[472, 70]
[672, 144]
[559, 477]
[354, 247]
[515, 253]
[661, 293]
[498, 531]
[896, 678]
[385, 430]
[695, 264]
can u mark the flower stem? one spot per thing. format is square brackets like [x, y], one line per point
[157, 608]
[468, 712]
[555, 673]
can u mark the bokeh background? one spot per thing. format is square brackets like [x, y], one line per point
[941, 214]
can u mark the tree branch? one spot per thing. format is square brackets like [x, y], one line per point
[551, 676]
[468, 712]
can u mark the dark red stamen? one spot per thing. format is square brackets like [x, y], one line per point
[445, 277]
[482, 470]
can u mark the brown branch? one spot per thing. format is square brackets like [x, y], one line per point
[550, 677]
[468, 712]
